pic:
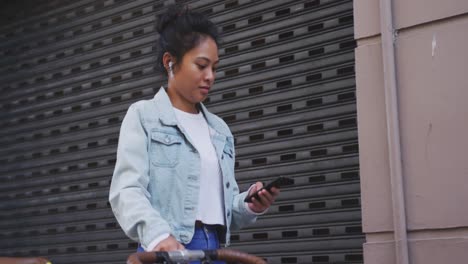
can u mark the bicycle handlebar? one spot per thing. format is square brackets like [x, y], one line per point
[185, 256]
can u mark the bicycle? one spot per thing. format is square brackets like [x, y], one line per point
[185, 256]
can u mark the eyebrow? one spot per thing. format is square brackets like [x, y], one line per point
[205, 58]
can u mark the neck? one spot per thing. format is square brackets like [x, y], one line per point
[192, 110]
[181, 104]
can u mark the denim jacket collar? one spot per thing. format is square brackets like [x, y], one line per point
[168, 118]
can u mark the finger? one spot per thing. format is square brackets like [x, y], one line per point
[169, 248]
[181, 247]
[256, 205]
[253, 189]
[164, 247]
[275, 191]
[159, 247]
[175, 246]
[259, 185]
[267, 202]
[266, 198]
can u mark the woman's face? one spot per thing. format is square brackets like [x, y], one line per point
[194, 76]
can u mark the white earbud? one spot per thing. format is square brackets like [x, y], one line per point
[171, 73]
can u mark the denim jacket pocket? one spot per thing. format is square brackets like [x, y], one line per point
[229, 149]
[164, 149]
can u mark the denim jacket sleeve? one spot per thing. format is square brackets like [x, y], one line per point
[241, 216]
[128, 194]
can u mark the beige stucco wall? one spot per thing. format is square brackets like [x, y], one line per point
[432, 85]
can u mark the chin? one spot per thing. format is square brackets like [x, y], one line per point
[203, 98]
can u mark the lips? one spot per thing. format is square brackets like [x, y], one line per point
[204, 89]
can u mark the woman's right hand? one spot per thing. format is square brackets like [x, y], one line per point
[168, 244]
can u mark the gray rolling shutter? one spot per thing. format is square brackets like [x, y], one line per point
[70, 69]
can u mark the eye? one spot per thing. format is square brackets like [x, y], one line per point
[201, 66]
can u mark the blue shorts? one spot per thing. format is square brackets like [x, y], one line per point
[204, 238]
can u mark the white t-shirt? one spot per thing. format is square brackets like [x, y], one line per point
[210, 199]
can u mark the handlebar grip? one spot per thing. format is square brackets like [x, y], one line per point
[147, 257]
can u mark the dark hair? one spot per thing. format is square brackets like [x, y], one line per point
[180, 30]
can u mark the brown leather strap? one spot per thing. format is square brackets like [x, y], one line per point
[235, 256]
[228, 255]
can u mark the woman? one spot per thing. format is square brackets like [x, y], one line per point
[173, 185]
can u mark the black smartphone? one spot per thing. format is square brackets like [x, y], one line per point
[278, 183]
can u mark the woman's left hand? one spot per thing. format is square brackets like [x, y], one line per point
[266, 198]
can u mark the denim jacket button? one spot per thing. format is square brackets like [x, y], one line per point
[228, 184]
[228, 213]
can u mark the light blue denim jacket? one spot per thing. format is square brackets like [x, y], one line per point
[155, 185]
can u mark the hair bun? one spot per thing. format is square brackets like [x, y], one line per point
[180, 30]
[169, 17]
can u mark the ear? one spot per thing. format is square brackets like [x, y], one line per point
[167, 57]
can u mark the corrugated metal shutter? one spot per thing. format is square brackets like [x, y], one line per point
[70, 69]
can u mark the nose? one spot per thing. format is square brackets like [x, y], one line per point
[210, 76]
